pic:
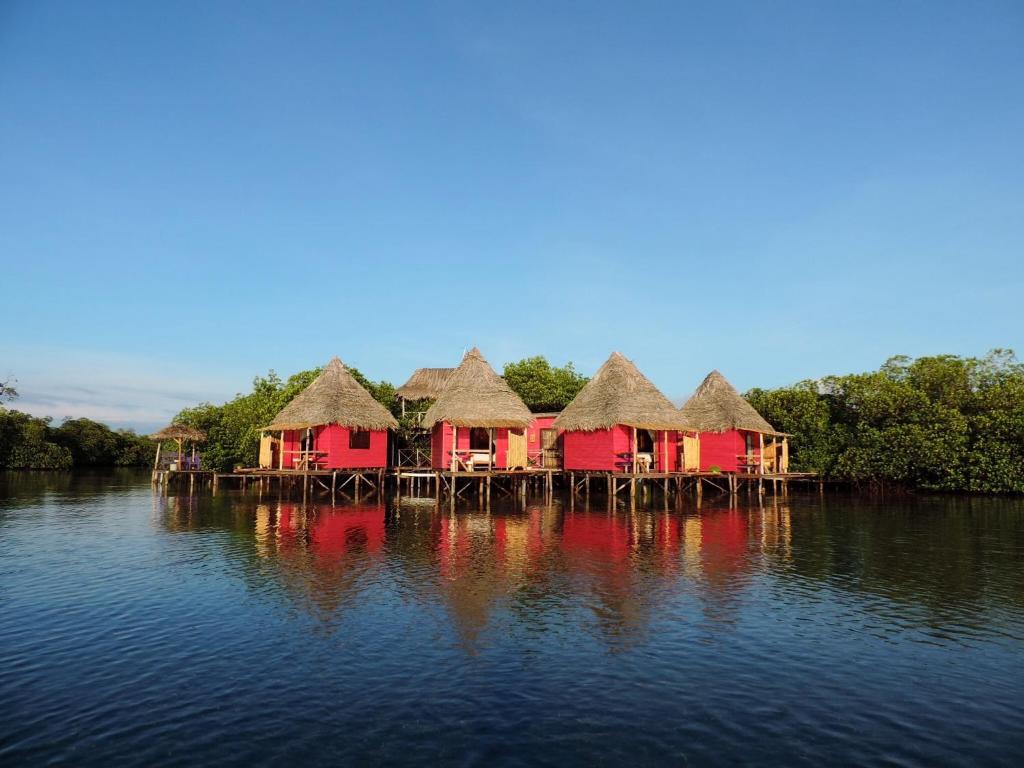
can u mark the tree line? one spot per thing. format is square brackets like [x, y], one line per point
[944, 423]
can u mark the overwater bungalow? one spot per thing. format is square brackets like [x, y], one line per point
[733, 436]
[620, 422]
[477, 421]
[334, 423]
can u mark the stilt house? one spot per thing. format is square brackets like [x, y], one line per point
[620, 422]
[477, 422]
[733, 436]
[334, 423]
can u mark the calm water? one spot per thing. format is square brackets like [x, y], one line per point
[150, 630]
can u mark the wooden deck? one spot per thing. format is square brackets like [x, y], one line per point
[460, 484]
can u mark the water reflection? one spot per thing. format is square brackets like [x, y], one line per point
[616, 572]
[148, 628]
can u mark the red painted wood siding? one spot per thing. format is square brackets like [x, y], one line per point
[723, 449]
[441, 445]
[597, 450]
[334, 440]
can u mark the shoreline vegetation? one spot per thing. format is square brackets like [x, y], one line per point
[939, 423]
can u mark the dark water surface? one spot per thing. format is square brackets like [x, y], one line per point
[154, 630]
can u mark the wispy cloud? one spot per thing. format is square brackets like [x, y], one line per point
[137, 393]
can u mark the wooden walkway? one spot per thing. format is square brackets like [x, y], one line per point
[515, 483]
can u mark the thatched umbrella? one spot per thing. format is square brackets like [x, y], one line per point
[179, 433]
[476, 396]
[334, 397]
[716, 406]
[620, 394]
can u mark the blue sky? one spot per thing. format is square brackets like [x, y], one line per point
[194, 193]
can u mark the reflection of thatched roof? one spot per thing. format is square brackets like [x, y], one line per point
[334, 397]
[620, 394]
[424, 384]
[475, 396]
[179, 432]
[716, 406]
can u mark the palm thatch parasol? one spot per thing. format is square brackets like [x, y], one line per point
[476, 396]
[334, 397]
[424, 384]
[716, 406]
[180, 433]
[620, 394]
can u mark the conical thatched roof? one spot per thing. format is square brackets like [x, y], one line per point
[620, 394]
[179, 432]
[716, 406]
[334, 397]
[476, 396]
[424, 384]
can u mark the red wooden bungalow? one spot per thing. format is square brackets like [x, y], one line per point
[477, 422]
[334, 423]
[732, 433]
[620, 422]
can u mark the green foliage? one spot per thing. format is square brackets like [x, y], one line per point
[28, 442]
[941, 423]
[7, 390]
[542, 386]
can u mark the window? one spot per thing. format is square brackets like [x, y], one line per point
[358, 439]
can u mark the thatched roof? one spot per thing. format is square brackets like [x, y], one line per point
[424, 384]
[716, 406]
[334, 397]
[620, 394]
[476, 396]
[179, 432]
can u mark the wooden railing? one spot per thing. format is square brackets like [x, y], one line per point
[413, 457]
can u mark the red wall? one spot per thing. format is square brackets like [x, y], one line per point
[334, 440]
[722, 449]
[441, 445]
[596, 451]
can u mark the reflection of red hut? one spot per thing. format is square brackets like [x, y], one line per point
[600, 541]
[620, 422]
[732, 433]
[334, 423]
[341, 530]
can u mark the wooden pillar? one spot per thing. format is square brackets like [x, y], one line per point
[455, 444]
[491, 448]
[760, 450]
[280, 452]
[156, 461]
[634, 450]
